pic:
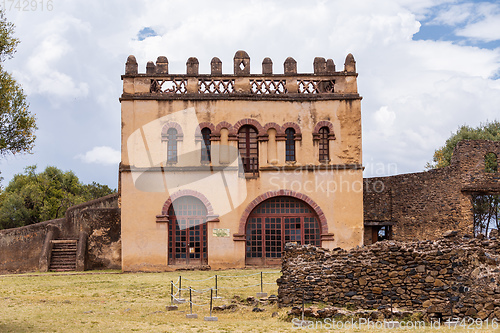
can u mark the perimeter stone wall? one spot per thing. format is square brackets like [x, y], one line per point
[455, 274]
[21, 248]
[423, 205]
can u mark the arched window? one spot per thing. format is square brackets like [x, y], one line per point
[290, 144]
[205, 149]
[278, 221]
[490, 163]
[248, 148]
[324, 151]
[172, 145]
[187, 236]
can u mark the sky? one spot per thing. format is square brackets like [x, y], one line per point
[425, 67]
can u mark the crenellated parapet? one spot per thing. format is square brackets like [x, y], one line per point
[324, 83]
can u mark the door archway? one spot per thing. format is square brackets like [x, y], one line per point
[187, 234]
[275, 222]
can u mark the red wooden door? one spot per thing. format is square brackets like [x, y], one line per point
[276, 222]
[187, 237]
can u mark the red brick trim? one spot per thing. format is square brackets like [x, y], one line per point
[321, 124]
[169, 125]
[183, 193]
[252, 122]
[221, 125]
[271, 194]
[296, 127]
[277, 127]
[201, 126]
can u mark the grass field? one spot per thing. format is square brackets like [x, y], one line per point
[115, 302]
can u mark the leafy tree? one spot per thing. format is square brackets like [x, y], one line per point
[486, 131]
[486, 212]
[33, 197]
[17, 124]
[486, 206]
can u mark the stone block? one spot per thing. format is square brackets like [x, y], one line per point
[429, 279]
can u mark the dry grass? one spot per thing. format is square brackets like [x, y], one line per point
[136, 303]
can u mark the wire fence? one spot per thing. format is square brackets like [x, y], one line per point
[203, 297]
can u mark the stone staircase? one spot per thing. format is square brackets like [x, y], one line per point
[63, 256]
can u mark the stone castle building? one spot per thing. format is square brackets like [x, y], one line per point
[224, 169]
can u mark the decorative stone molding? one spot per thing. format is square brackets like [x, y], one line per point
[162, 65]
[249, 121]
[131, 66]
[216, 66]
[267, 66]
[275, 126]
[206, 124]
[296, 127]
[163, 217]
[169, 125]
[319, 125]
[221, 125]
[192, 65]
[241, 63]
[271, 194]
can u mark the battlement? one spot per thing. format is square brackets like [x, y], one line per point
[325, 82]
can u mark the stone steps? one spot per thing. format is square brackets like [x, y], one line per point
[63, 258]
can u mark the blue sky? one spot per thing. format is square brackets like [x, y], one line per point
[471, 23]
[425, 67]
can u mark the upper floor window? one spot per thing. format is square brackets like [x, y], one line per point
[205, 149]
[290, 144]
[324, 151]
[248, 148]
[172, 145]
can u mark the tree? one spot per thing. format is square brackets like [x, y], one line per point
[33, 197]
[485, 131]
[486, 206]
[17, 124]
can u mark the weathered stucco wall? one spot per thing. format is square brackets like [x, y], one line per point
[77, 222]
[104, 237]
[147, 179]
[145, 243]
[423, 205]
[21, 248]
[435, 277]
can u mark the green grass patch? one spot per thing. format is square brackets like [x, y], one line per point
[114, 302]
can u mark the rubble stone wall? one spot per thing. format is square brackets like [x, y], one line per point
[458, 275]
[423, 205]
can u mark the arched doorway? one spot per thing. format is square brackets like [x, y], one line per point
[187, 234]
[275, 222]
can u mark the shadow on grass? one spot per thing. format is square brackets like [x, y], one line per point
[16, 327]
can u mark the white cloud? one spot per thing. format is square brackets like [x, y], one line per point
[45, 72]
[454, 14]
[481, 20]
[415, 93]
[451, 59]
[486, 30]
[101, 155]
[384, 118]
